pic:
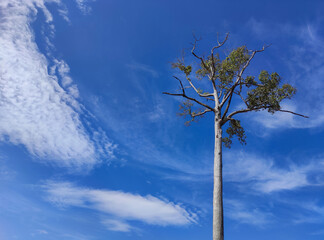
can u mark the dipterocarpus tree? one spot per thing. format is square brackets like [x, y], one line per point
[228, 83]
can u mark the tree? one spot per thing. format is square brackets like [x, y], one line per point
[228, 81]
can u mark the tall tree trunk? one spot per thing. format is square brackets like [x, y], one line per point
[218, 222]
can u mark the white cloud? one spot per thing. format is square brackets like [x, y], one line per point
[37, 111]
[264, 176]
[279, 119]
[63, 70]
[120, 205]
[83, 5]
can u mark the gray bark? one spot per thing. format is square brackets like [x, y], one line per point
[218, 222]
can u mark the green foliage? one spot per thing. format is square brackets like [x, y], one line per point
[185, 110]
[228, 79]
[231, 66]
[249, 81]
[204, 68]
[234, 128]
[269, 93]
[182, 67]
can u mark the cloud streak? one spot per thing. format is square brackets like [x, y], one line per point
[83, 5]
[39, 113]
[135, 66]
[117, 225]
[119, 206]
[264, 176]
[304, 66]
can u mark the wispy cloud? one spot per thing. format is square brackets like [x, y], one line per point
[40, 113]
[314, 213]
[304, 68]
[119, 206]
[17, 207]
[264, 176]
[143, 68]
[5, 172]
[39, 232]
[84, 6]
[279, 119]
[304, 211]
[157, 113]
[148, 142]
[320, 232]
[117, 225]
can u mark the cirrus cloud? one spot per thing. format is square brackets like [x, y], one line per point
[39, 112]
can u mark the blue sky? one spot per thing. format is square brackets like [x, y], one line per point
[91, 149]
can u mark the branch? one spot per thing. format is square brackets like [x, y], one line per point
[205, 95]
[256, 109]
[190, 98]
[220, 93]
[227, 107]
[210, 71]
[229, 117]
[246, 104]
[212, 58]
[219, 44]
[200, 113]
[200, 58]
[240, 111]
[183, 94]
[182, 88]
[196, 90]
[304, 116]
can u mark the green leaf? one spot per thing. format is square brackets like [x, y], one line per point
[234, 128]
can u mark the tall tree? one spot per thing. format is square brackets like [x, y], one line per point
[228, 80]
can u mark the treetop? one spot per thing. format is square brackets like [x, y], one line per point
[227, 80]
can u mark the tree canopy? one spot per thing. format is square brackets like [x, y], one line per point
[228, 79]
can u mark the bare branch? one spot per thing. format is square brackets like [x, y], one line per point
[190, 98]
[205, 66]
[219, 44]
[225, 119]
[200, 113]
[263, 48]
[200, 58]
[174, 94]
[220, 94]
[227, 107]
[241, 111]
[246, 104]
[182, 88]
[205, 95]
[286, 111]
[196, 90]
[183, 94]
[212, 78]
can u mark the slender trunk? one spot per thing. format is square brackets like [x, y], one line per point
[218, 222]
